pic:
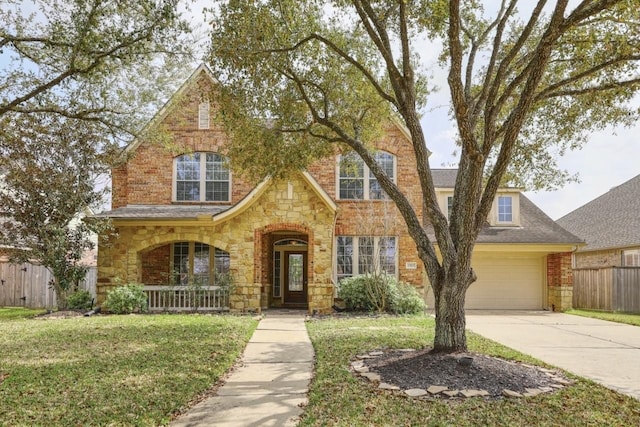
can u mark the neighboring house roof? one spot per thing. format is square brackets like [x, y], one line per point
[609, 221]
[535, 225]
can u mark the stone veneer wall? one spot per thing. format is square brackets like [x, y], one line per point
[304, 211]
[560, 281]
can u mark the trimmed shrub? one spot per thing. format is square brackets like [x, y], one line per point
[380, 293]
[80, 300]
[407, 300]
[353, 290]
[126, 299]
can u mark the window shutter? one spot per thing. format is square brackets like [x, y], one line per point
[203, 115]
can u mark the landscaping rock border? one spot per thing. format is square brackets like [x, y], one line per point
[556, 381]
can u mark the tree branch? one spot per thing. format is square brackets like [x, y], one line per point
[345, 56]
[534, 72]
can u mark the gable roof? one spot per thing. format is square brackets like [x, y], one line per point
[202, 69]
[535, 226]
[612, 220]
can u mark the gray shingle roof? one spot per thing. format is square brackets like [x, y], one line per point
[163, 211]
[444, 178]
[535, 225]
[609, 221]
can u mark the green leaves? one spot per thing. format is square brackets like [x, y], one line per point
[78, 59]
[301, 79]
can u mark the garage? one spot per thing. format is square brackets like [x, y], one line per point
[507, 281]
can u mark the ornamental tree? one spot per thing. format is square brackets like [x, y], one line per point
[77, 79]
[300, 77]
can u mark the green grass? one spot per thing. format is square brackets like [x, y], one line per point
[338, 398]
[629, 319]
[8, 313]
[112, 370]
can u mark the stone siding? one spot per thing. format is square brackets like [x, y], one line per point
[123, 260]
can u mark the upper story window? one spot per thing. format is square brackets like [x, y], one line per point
[355, 180]
[202, 177]
[449, 207]
[505, 209]
[631, 258]
[203, 115]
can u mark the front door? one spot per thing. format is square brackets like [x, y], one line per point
[295, 278]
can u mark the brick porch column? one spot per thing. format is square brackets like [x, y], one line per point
[560, 281]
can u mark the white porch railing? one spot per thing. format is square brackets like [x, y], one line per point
[184, 298]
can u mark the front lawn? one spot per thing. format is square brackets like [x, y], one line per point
[338, 398]
[8, 313]
[629, 319]
[112, 370]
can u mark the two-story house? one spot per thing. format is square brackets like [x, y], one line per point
[183, 217]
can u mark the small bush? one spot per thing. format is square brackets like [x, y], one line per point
[352, 290]
[380, 293]
[407, 300]
[80, 300]
[126, 299]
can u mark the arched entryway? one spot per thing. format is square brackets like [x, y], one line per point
[285, 265]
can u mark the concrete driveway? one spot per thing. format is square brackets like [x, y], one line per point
[605, 352]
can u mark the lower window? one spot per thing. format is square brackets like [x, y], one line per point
[365, 254]
[198, 263]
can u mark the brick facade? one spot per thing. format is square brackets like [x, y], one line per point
[560, 281]
[380, 217]
[147, 176]
[142, 252]
[292, 208]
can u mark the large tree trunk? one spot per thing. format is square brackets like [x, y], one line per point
[449, 294]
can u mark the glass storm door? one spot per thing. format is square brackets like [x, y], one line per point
[295, 278]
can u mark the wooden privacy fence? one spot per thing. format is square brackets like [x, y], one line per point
[608, 289]
[27, 285]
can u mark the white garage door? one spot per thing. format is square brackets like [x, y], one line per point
[507, 282]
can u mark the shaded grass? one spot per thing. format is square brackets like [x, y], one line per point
[113, 370]
[338, 398]
[9, 313]
[629, 319]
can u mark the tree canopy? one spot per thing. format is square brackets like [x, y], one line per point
[301, 77]
[78, 78]
[101, 61]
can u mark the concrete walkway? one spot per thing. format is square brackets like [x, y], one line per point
[270, 386]
[605, 352]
